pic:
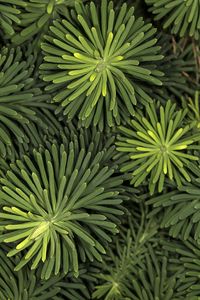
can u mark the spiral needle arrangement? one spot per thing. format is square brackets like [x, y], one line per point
[99, 150]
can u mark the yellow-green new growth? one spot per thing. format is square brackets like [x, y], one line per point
[59, 207]
[157, 146]
[96, 61]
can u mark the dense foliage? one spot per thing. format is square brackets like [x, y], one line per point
[99, 149]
